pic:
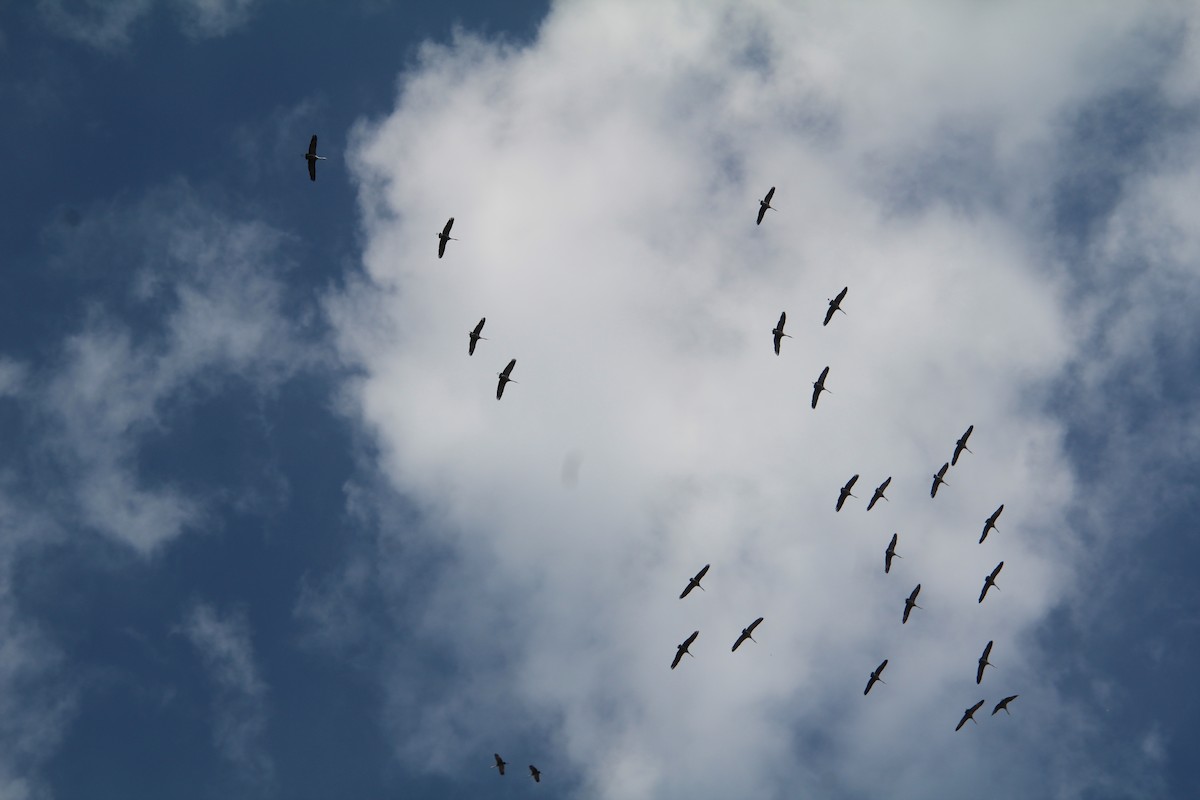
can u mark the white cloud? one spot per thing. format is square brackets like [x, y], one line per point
[604, 184]
[110, 24]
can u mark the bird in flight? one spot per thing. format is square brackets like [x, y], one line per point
[890, 553]
[445, 236]
[990, 581]
[819, 386]
[961, 445]
[475, 337]
[835, 305]
[990, 523]
[845, 492]
[777, 331]
[879, 490]
[1004, 704]
[764, 204]
[500, 763]
[983, 662]
[910, 604]
[939, 479]
[694, 582]
[875, 677]
[312, 158]
[536, 773]
[683, 648]
[746, 634]
[969, 714]
[504, 379]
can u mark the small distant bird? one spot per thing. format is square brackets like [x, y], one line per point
[500, 763]
[778, 331]
[961, 445]
[939, 479]
[819, 386]
[990, 523]
[746, 634]
[875, 677]
[983, 662]
[504, 379]
[969, 714]
[910, 604]
[845, 492]
[764, 204]
[990, 581]
[694, 582]
[312, 158]
[879, 490]
[475, 337]
[683, 648]
[835, 305]
[536, 773]
[890, 553]
[1004, 704]
[445, 236]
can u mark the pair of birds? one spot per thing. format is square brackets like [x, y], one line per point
[500, 764]
[475, 338]
[848, 487]
[681, 650]
[911, 602]
[939, 477]
[969, 714]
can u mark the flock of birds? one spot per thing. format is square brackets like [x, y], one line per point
[939, 480]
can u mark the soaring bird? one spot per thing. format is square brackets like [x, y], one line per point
[683, 648]
[1004, 704]
[845, 492]
[875, 677]
[961, 445]
[764, 204]
[475, 337]
[990, 581]
[939, 479]
[778, 331]
[910, 604]
[500, 763]
[505, 379]
[879, 490]
[969, 714]
[694, 582]
[990, 523]
[819, 386]
[312, 158]
[835, 305]
[746, 634]
[983, 662]
[445, 236]
[536, 773]
[889, 554]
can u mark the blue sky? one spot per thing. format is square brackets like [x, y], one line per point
[266, 532]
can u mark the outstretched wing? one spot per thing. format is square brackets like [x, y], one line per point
[829, 314]
[449, 225]
[996, 571]
[837, 301]
[312, 169]
[312, 145]
[743, 637]
[509, 368]
[770, 194]
[688, 642]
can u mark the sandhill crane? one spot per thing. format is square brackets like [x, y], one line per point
[694, 582]
[890, 553]
[504, 378]
[683, 648]
[990, 523]
[1004, 704]
[500, 763]
[312, 158]
[445, 236]
[990, 581]
[910, 604]
[969, 714]
[778, 331]
[764, 204]
[875, 677]
[475, 337]
[879, 490]
[845, 492]
[961, 445]
[835, 305]
[819, 386]
[747, 633]
[536, 773]
[983, 662]
[939, 479]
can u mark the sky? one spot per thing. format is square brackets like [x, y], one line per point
[266, 532]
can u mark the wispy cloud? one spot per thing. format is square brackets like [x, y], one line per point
[111, 24]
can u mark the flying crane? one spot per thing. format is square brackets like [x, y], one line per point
[694, 582]
[445, 236]
[504, 378]
[312, 158]
[939, 479]
[835, 305]
[910, 604]
[990, 581]
[969, 714]
[536, 773]
[475, 337]
[983, 662]
[1004, 704]
[747, 633]
[961, 445]
[875, 677]
[500, 763]
[990, 523]
[845, 492]
[778, 331]
[683, 648]
[889, 554]
[764, 204]
[879, 490]
[819, 386]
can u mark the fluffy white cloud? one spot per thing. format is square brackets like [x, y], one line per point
[604, 184]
